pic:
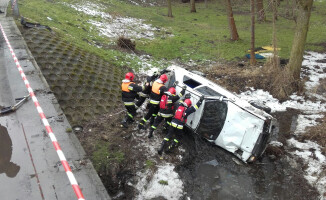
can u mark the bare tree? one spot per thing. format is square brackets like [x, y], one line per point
[260, 10]
[300, 36]
[233, 29]
[275, 58]
[252, 52]
[169, 9]
[192, 6]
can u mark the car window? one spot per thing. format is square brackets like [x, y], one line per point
[208, 91]
[213, 119]
[190, 82]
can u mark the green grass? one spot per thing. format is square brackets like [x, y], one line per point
[102, 158]
[69, 130]
[163, 182]
[198, 36]
[149, 164]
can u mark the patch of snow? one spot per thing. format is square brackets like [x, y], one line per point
[90, 9]
[315, 69]
[153, 189]
[116, 26]
[309, 151]
[296, 102]
[315, 161]
[306, 121]
[276, 144]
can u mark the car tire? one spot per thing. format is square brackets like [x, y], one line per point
[261, 106]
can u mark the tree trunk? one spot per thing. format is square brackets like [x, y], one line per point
[275, 58]
[260, 10]
[169, 9]
[252, 52]
[192, 6]
[300, 36]
[233, 29]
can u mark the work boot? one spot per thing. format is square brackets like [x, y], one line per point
[141, 126]
[150, 133]
[124, 123]
[130, 120]
[160, 150]
[171, 147]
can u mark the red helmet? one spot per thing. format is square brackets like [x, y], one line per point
[172, 90]
[164, 78]
[188, 102]
[130, 76]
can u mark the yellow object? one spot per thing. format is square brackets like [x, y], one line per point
[265, 49]
[270, 48]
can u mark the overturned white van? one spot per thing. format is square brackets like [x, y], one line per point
[230, 122]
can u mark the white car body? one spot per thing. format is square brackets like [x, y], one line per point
[241, 128]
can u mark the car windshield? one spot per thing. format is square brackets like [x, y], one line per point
[213, 119]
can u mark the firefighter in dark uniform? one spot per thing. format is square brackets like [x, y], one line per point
[182, 111]
[147, 87]
[166, 109]
[158, 90]
[129, 93]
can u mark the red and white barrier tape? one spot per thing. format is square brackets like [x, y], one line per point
[48, 128]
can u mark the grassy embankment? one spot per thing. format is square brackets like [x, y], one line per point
[198, 36]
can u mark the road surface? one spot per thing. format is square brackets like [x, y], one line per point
[29, 165]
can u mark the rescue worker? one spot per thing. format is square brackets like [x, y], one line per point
[129, 93]
[166, 109]
[158, 90]
[182, 111]
[147, 87]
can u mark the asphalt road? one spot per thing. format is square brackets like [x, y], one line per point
[29, 165]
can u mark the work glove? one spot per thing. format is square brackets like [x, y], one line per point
[168, 93]
[202, 98]
[175, 83]
[184, 87]
[164, 71]
[187, 96]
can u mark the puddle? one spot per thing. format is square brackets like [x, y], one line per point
[7, 167]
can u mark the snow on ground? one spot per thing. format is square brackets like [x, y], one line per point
[115, 26]
[314, 159]
[165, 183]
[309, 151]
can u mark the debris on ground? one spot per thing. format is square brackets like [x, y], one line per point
[126, 43]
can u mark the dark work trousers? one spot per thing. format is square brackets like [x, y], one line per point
[175, 134]
[140, 101]
[159, 119]
[152, 112]
[131, 112]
